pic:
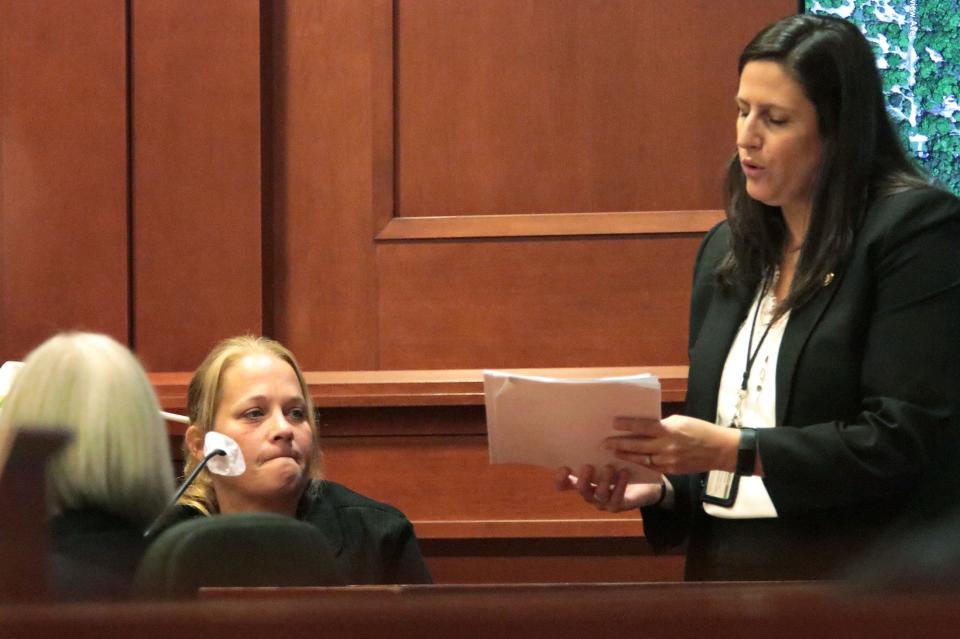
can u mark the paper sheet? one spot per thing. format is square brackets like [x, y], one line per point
[553, 422]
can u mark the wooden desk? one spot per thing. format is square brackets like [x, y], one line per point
[680, 611]
[417, 440]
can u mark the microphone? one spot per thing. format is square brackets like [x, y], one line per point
[221, 455]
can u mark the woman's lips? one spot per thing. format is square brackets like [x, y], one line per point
[750, 169]
[291, 456]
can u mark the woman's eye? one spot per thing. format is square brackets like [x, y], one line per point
[297, 414]
[253, 413]
[776, 121]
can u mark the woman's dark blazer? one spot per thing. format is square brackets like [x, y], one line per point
[868, 389]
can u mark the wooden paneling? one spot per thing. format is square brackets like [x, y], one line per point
[398, 121]
[332, 176]
[398, 388]
[469, 497]
[63, 170]
[196, 177]
[539, 302]
[519, 106]
[610, 110]
[512, 561]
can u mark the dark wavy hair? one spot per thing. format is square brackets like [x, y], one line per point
[862, 158]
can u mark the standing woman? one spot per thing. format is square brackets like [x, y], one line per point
[823, 401]
[252, 390]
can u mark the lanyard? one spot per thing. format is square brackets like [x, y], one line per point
[752, 356]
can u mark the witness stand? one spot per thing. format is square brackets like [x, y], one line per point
[416, 439]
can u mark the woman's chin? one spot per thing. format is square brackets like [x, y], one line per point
[289, 477]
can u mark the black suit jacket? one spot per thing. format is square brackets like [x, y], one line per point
[94, 555]
[867, 407]
[372, 542]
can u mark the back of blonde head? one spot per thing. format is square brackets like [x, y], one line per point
[203, 400]
[92, 386]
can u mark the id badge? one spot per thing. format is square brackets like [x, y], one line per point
[721, 488]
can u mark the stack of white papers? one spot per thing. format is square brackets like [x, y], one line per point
[553, 422]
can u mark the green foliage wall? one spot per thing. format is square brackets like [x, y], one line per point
[918, 52]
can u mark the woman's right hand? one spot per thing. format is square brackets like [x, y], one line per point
[607, 489]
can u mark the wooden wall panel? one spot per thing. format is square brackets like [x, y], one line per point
[196, 177]
[270, 141]
[332, 176]
[520, 106]
[509, 500]
[500, 108]
[541, 562]
[63, 170]
[536, 302]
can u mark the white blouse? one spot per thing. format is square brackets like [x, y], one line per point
[759, 406]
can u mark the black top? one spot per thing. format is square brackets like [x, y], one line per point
[94, 555]
[867, 402]
[372, 542]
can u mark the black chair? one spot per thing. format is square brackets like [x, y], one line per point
[238, 550]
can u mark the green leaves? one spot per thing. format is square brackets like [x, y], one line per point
[933, 85]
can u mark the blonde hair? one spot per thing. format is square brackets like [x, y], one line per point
[119, 456]
[203, 399]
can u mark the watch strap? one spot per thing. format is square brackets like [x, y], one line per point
[747, 452]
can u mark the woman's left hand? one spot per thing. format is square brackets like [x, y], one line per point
[675, 445]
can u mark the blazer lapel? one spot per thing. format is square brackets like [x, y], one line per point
[724, 317]
[801, 324]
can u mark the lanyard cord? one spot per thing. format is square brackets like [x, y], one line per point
[752, 357]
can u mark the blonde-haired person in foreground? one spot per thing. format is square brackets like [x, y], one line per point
[252, 390]
[113, 477]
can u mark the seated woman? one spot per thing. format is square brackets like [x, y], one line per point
[114, 476]
[252, 390]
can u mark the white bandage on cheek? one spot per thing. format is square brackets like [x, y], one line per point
[229, 465]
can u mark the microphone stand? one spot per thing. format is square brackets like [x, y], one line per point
[162, 517]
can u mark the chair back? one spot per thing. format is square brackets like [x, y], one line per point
[239, 550]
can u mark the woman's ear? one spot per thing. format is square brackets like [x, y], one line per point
[194, 439]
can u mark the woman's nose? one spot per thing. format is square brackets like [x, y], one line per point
[747, 137]
[282, 429]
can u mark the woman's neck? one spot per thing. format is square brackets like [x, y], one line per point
[796, 220]
[788, 268]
